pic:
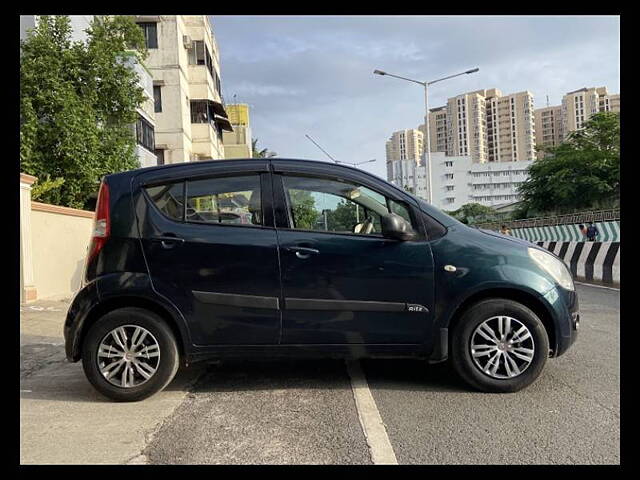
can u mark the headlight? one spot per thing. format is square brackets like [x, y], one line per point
[554, 267]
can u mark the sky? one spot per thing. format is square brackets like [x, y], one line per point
[314, 74]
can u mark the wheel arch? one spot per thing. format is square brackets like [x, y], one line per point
[529, 300]
[115, 303]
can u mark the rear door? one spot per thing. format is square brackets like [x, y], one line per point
[211, 248]
[343, 283]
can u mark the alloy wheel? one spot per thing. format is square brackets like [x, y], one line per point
[128, 356]
[502, 347]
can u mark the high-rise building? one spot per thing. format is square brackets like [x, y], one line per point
[404, 151]
[510, 127]
[185, 63]
[237, 144]
[438, 130]
[578, 106]
[549, 131]
[144, 128]
[405, 145]
[485, 125]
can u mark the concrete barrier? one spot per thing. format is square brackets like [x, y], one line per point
[589, 261]
[608, 232]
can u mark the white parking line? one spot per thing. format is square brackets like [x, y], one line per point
[372, 426]
[597, 286]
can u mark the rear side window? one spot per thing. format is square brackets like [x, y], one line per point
[225, 200]
[169, 199]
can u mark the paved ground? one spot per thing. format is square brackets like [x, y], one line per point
[304, 411]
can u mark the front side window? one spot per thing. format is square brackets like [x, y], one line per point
[225, 200]
[327, 205]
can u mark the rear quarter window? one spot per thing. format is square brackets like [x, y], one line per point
[169, 199]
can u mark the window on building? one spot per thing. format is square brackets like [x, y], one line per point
[157, 98]
[150, 30]
[228, 200]
[145, 134]
[199, 55]
[160, 156]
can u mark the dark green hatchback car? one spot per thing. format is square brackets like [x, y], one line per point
[279, 257]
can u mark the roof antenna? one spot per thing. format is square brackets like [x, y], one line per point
[323, 150]
[547, 100]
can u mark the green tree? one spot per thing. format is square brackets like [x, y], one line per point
[471, 213]
[78, 104]
[303, 208]
[264, 153]
[344, 217]
[583, 172]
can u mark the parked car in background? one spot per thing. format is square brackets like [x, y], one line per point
[279, 257]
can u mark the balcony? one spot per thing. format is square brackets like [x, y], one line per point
[145, 79]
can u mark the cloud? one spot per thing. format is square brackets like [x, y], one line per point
[313, 75]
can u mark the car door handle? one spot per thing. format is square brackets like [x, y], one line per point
[168, 241]
[303, 252]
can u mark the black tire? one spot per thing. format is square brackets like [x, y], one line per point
[168, 360]
[461, 357]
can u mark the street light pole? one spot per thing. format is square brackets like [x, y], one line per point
[427, 163]
[427, 155]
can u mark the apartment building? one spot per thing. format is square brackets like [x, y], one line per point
[79, 23]
[485, 125]
[510, 127]
[405, 145]
[578, 106]
[144, 128]
[438, 129]
[237, 144]
[184, 60]
[548, 125]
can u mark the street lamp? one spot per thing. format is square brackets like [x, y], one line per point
[426, 119]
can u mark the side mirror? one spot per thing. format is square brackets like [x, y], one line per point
[396, 228]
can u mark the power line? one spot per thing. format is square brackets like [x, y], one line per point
[323, 150]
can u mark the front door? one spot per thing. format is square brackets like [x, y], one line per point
[211, 249]
[343, 282]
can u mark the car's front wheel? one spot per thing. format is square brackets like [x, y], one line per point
[499, 345]
[130, 354]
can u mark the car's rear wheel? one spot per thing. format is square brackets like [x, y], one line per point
[499, 345]
[130, 354]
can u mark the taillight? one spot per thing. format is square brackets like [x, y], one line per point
[101, 224]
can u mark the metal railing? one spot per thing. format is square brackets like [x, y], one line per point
[567, 219]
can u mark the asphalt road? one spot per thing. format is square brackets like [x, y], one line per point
[304, 411]
[294, 412]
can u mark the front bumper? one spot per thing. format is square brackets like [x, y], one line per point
[564, 309]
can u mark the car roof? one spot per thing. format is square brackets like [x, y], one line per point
[200, 163]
